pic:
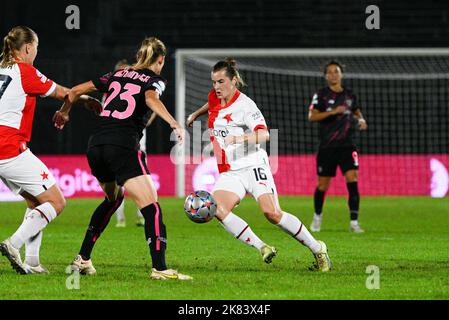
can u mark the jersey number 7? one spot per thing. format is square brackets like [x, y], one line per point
[4, 83]
[128, 96]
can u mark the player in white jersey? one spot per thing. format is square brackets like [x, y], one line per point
[237, 127]
[20, 169]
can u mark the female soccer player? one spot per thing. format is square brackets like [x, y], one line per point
[20, 169]
[338, 112]
[114, 155]
[237, 127]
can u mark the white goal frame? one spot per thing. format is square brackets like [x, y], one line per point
[180, 82]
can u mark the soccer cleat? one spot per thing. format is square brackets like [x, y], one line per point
[140, 222]
[120, 224]
[83, 266]
[356, 228]
[168, 274]
[316, 223]
[268, 253]
[322, 260]
[13, 255]
[36, 270]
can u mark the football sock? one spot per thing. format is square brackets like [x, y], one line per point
[97, 224]
[156, 234]
[35, 221]
[32, 246]
[354, 200]
[241, 230]
[121, 212]
[293, 226]
[318, 200]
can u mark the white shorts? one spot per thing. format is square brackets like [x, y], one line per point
[256, 181]
[26, 173]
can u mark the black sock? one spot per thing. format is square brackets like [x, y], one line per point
[354, 199]
[156, 234]
[318, 200]
[98, 223]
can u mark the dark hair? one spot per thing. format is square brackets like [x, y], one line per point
[335, 63]
[13, 41]
[231, 70]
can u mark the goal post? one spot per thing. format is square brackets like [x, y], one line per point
[403, 93]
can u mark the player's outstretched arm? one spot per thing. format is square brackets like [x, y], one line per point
[198, 113]
[78, 92]
[153, 102]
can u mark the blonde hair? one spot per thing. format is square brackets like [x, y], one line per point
[150, 50]
[13, 41]
[231, 70]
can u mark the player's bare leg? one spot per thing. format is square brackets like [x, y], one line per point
[142, 190]
[269, 203]
[318, 200]
[51, 203]
[351, 177]
[226, 202]
[99, 221]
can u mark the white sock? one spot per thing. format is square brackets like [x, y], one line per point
[121, 212]
[292, 225]
[241, 230]
[35, 221]
[354, 223]
[32, 247]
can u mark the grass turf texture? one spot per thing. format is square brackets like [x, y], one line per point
[407, 238]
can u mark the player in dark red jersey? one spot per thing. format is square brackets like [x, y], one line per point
[20, 169]
[337, 110]
[114, 154]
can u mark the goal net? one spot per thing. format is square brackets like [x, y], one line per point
[403, 94]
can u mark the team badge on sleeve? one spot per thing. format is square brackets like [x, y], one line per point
[41, 76]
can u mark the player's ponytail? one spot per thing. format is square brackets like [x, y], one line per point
[150, 50]
[13, 41]
[230, 64]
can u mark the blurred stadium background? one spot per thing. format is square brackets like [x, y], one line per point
[405, 109]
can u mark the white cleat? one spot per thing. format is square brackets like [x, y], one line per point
[322, 261]
[83, 266]
[355, 227]
[168, 274]
[316, 223]
[13, 255]
[36, 270]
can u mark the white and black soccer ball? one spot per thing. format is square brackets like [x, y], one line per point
[200, 206]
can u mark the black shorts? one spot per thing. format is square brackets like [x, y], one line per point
[328, 159]
[114, 163]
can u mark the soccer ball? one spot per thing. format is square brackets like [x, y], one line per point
[200, 206]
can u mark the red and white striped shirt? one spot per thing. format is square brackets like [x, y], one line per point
[19, 86]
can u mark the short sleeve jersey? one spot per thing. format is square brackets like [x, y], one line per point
[124, 109]
[337, 130]
[239, 116]
[19, 86]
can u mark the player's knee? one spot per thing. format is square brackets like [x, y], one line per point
[58, 204]
[273, 215]
[323, 187]
[222, 213]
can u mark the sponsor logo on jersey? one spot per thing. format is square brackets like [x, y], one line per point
[220, 133]
[331, 101]
[349, 102]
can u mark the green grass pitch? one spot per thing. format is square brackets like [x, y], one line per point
[407, 239]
